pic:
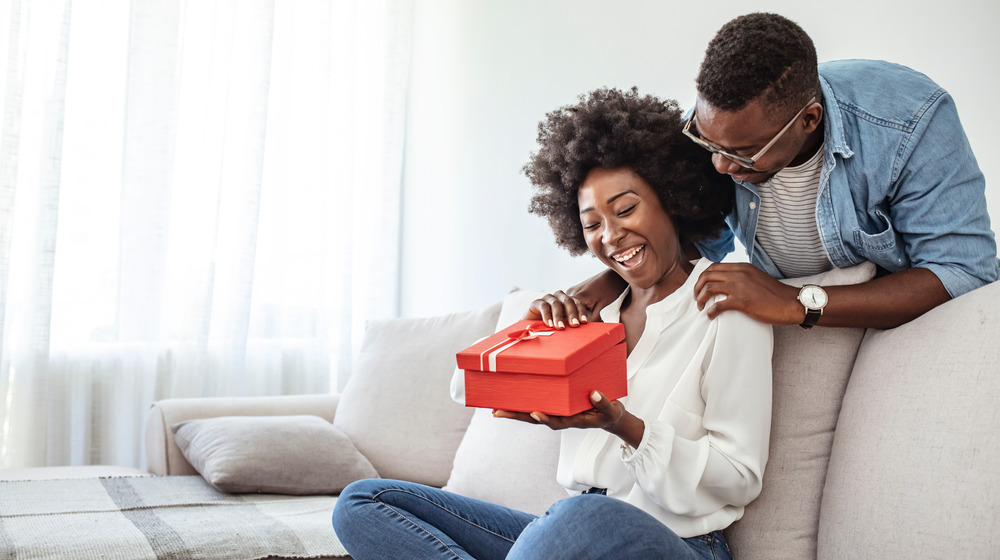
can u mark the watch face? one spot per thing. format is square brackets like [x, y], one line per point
[813, 297]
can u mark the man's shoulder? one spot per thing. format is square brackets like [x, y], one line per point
[879, 91]
[860, 71]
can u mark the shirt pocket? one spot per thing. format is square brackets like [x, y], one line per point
[877, 244]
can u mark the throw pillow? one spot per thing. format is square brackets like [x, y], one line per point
[396, 407]
[504, 461]
[811, 370]
[272, 454]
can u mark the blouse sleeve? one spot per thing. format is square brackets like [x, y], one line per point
[458, 386]
[725, 466]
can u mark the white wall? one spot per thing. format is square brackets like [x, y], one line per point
[485, 72]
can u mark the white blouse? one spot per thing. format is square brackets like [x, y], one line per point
[703, 389]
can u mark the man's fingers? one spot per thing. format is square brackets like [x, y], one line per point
[708, 290]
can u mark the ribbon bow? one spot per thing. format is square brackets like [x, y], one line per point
[488, 357]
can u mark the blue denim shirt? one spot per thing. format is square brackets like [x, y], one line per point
[899, 187]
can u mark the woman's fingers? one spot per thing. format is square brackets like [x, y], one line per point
[521, 416]
[558, 310]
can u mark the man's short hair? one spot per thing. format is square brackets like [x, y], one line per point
[755, 55]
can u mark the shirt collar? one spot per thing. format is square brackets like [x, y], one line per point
[833, 127]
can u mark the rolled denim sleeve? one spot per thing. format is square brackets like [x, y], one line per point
[716, 249]
[939, 203]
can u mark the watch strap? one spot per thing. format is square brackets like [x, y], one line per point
[812, 315]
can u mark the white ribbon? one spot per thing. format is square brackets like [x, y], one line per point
[488, 358]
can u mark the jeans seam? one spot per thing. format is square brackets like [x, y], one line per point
[439, 506]
[418, 526]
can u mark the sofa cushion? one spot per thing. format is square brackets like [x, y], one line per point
[811, 370]
[504, 461]
[913, 473]
[396, 406]
[298, 455]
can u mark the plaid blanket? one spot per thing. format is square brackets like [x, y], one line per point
[163, 517]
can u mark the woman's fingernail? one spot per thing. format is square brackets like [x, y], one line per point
[574, 322]
[583, 318]
[561, 325]
[536, 417]
[595, 396]
[549, 322]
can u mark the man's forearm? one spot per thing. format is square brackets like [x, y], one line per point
[885, 302]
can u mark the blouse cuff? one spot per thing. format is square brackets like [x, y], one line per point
[629, 454]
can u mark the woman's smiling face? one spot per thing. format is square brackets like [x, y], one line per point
[627, 228]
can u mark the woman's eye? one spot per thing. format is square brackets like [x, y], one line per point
[628, 210]
[590, 226]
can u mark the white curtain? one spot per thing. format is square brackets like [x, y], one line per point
[197, 198]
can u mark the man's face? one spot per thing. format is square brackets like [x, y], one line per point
[746, 131]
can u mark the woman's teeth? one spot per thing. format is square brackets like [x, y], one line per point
[626, 256]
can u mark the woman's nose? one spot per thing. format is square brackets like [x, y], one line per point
[612, 233]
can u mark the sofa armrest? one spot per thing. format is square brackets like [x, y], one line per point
[163, 457]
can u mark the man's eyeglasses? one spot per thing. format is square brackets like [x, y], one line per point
[747, 162]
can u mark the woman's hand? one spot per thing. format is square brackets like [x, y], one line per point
[607, 415]
[557, 310]
[596, 292]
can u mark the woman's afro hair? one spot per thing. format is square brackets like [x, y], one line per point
[612, 129]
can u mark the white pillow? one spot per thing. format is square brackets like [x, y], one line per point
[396, 407]
[298, 455]
[810, 375]
[504, 461]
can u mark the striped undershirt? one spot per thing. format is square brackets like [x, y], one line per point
[786, 223]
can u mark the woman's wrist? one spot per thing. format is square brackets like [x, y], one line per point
[629, 428]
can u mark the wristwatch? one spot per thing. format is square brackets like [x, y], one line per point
[814, 299]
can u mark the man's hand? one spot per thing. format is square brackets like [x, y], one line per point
[748, 290]
[882, 303]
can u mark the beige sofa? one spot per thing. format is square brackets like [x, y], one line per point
[885, 444]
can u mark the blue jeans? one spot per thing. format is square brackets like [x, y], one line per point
[381, 519]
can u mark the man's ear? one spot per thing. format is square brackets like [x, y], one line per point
[813, 116]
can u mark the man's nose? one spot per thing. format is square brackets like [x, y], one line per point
[725, 165]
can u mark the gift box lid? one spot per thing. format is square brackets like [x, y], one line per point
[533, 347]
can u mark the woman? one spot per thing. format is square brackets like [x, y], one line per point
[657, 474]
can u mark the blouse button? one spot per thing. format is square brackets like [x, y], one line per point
[753, 205]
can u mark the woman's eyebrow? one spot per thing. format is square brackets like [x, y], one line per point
[610, 200]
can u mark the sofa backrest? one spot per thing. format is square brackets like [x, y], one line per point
[915, 467]
[811, 369]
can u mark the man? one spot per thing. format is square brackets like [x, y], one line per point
[833, 165]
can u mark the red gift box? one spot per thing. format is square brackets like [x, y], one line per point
[530, 367]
